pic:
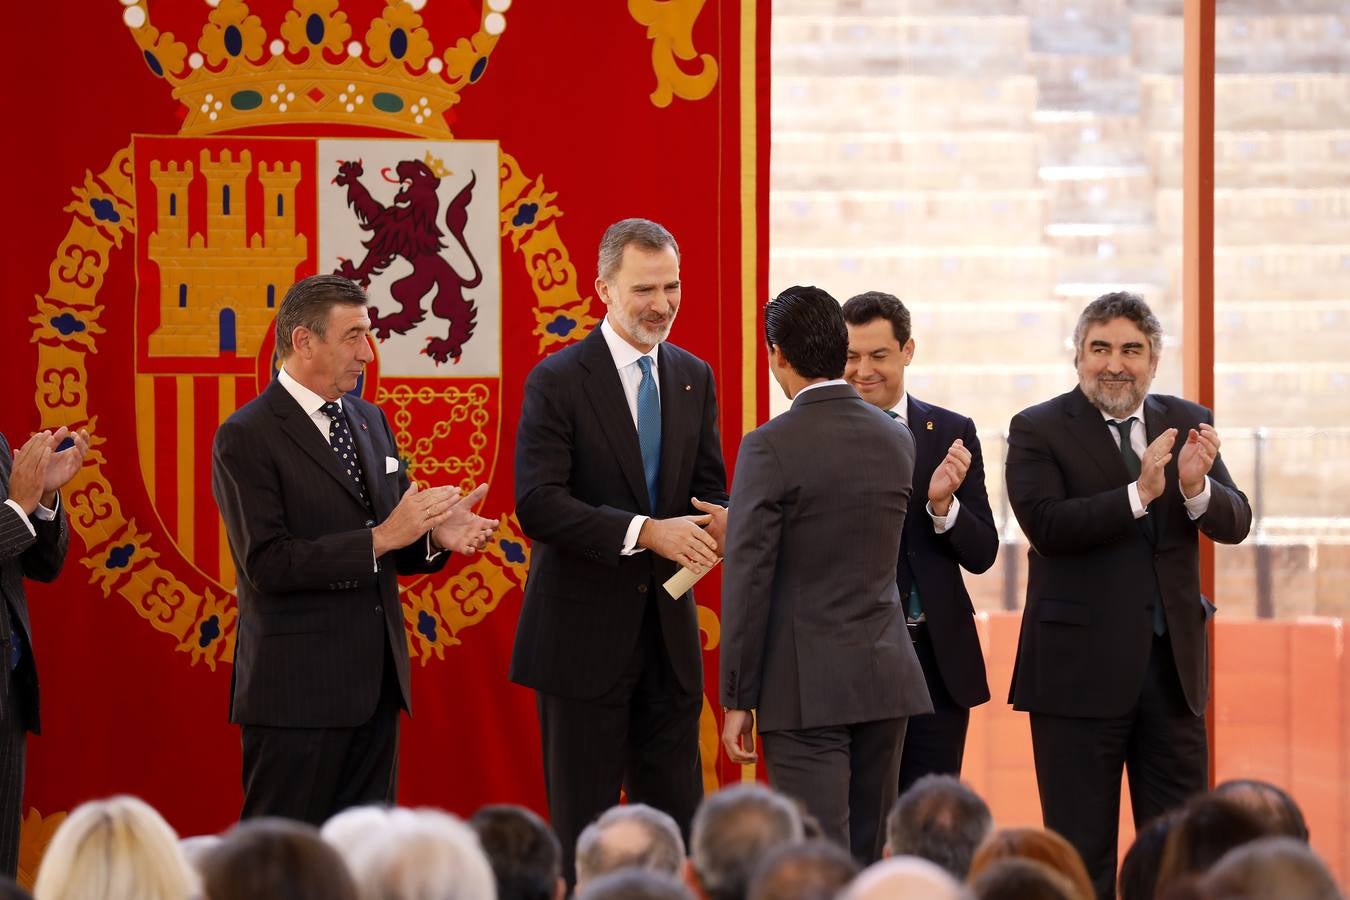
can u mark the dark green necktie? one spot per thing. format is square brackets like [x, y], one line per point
[1126, 448]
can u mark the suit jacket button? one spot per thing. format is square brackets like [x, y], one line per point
[379, 610]
[642, 589]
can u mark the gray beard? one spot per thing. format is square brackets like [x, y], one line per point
[1115, 407]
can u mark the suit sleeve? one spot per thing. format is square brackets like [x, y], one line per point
[1054, 523]
[709, 480]
[248, 490]
[1229, 516]
[545, 506]
[754, 527]
[974, 539]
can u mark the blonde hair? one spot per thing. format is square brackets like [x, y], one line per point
[116, 849]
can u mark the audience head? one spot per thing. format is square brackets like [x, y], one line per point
[1281, 867]
[354, 827]
[1016, 878]
[732, 831]
[634, 884]
[1275, 808]
[523, 851]
[194, 848]
[805, 326]
[1207, 828]
[275, 859]
[941, 820]
[902, 878]
[1039, 845]
[1139, 869]
[807, 870]
[631, 835]
[114, 849]
[422, 853]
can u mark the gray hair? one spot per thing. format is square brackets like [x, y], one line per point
[941, 820]
[632, 835]
[732, 831]
[422, 853]
[1281, 867]
[308, 302]
[1118, 305]
[642, 233]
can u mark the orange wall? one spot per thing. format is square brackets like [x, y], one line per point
[1281, 716]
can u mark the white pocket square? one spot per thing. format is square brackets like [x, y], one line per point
[390, 465]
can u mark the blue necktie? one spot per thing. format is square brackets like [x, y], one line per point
[340, 438]
[649, 426]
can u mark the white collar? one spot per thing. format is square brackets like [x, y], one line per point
[624, 353]
[901, 408]
[308, 400]
[820, 384]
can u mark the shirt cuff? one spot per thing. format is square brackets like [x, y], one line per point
[630, 546]
[1136, 505]
[432, 550]
[23, 516]
[943, 524]
[44, 514]
[1198, 505]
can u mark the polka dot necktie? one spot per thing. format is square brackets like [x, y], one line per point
[340, 439]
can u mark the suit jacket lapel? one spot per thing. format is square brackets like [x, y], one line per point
[301, 429]
[611, 407]
[675, 427]
[1084, 421]
[927, 454]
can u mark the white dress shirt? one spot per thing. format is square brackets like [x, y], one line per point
[626, 358]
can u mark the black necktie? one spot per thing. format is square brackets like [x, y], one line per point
[340, 439]
[1132, 465]
[1126, 448]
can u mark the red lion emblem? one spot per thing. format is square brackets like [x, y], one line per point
[408, 228]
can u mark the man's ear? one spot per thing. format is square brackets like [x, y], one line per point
[301, 338]
[907, 352]
[602, 290]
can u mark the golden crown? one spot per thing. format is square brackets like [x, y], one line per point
[315, 70]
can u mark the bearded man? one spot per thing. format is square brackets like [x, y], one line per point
[1112, 486]
[619, 483]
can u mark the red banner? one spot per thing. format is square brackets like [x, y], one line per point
[175, 167]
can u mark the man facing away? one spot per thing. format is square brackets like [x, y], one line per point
[1113, 487]
[617, 452]
[952, 530]
[813, 628]
[321, 518]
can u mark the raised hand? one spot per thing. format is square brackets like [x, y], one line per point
[1156, 457]
[419, 510]
[464, 531]
[681, 540]
[65, 463]
[1196, 458]
[29, 473]
[948, 476]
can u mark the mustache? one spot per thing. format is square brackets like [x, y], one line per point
[1109, 379]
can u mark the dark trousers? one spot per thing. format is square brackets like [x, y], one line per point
[13, 758]
[311, 774]
[1161, 745]
[936, 742]
[641, 735]
[845, 776]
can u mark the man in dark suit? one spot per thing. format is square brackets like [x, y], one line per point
[813, 627]
[953, 530]
[618, 436]
[321, 518]
[1113, 486]
[33, 539]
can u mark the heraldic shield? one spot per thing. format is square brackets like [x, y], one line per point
[226, 225]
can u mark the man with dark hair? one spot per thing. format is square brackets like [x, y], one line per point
[809, 870]
[629, 835]
[813, 627]
[953, 530]
[321, 518]
[1270, 802]
[1113, 486]
[733, 829]
[618, 475]
[524, 853]
[940, 820]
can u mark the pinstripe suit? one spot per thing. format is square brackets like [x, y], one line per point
[321, 643]
[39, 556]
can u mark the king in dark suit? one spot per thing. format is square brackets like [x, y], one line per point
[813, 626]
[321, 519]
[952, 530]
[1113, 486]
[617, 440]
[33, 540]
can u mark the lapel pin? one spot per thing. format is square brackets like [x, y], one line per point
[688, 387]
[928, 425]
[363, 426]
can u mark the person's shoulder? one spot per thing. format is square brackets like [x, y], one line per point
[251, 412]
[1055, 406]
[940, 414]
[1180, 408]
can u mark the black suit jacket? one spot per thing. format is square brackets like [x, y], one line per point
[315, 616]
[1093, 572]
[24, 554]
[813, 628]
[579, 482]
[936, 560]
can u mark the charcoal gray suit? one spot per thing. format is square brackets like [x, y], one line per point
[813, 628]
